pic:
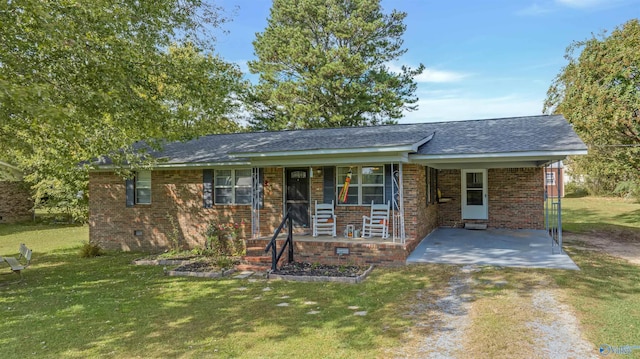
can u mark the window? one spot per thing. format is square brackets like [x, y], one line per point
[232, 186]
[367, 184]
[143, 187]
[551, 178]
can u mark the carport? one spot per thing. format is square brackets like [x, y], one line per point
[497, 247]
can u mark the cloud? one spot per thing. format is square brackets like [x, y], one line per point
[470, 108]
[432, 75]
[585, 3]
[439, 76]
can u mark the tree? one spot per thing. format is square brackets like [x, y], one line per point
[599, 93]
[81, 79]
[323, 63]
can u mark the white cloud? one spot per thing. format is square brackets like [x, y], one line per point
[439, 76]
[433, 75]
[584, 3]
[470, 108]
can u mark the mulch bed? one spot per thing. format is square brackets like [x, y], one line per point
[324, 270]
[306, 272]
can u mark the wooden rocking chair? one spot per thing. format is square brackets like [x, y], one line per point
[324, 219]
[376, 224]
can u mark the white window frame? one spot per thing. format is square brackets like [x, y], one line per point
[234, 186]
[357, 170]
[142, 184]
[553, 178]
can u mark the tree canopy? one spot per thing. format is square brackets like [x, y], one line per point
[324, 63]
[598, 92]
[80, 79]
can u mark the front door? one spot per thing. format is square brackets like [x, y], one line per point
[474, 194]
[297, 199]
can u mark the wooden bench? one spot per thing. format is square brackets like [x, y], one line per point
[19, 264]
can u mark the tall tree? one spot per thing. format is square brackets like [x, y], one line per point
[324, 63]
[80, 79]
[598, 92]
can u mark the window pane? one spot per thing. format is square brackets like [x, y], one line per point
[352, 195]
[143, 187]
[223, 195]
[223, 178]
[143, 195]
[474, 180]
[375, 194]
[373, 175]
[551, 178]
[243, 177]
[474, 197]
[243, 195]
[342, 174]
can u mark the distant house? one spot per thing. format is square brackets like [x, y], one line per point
[554, 179]
[16, 203]
[446, 174]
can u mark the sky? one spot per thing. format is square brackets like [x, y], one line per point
[483, 58]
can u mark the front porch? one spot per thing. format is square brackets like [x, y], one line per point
[336, 250]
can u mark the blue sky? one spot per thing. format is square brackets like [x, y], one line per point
[484, 59]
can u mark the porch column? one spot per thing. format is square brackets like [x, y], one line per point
[397, 203]
[256, 197]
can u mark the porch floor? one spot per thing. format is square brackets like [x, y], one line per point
[304, 237]
[499, 247]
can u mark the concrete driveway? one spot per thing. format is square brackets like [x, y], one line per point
[498, 247]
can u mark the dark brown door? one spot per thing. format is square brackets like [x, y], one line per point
[298, 195]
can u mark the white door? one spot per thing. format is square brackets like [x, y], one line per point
[474, 194]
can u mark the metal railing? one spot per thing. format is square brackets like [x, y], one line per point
[288, 244]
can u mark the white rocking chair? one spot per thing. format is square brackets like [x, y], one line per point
[376, 224]
[324, 219]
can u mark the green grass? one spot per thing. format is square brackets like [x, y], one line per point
[606, 296]
[70, 307]
[586, 214]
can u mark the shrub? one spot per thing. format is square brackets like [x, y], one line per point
[222, 238]
[89, 250]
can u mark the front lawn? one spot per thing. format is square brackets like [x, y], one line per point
[68, 307]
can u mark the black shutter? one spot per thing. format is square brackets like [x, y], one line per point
[207, 187]
[131, 191]
[388, 185]
[261, 187]
[329, 184]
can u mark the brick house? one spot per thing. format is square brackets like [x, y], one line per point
[16, 202]
[482, 172]
[554, 179]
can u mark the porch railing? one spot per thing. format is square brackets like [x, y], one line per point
[288, 244]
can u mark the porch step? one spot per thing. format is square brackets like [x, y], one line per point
[475, 226]
[255, 251]
[257, 260]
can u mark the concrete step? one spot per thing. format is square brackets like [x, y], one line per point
[255, 251]
[256, 259]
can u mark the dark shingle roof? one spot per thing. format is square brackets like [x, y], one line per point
[507, 135]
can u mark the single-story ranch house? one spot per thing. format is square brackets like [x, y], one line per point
[446, 174]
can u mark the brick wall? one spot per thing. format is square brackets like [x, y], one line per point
[16, 203]
[516, 198]
[176, 196]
